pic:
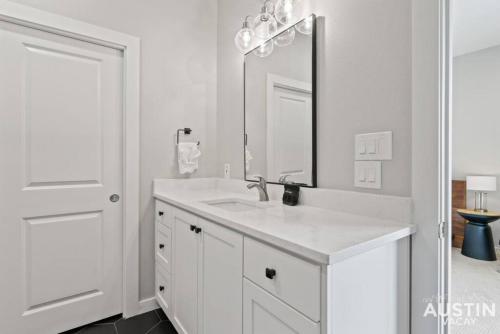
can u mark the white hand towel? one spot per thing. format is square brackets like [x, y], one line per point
[188, 155]
[248, 158]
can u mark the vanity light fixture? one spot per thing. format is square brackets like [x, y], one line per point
[286, 11]
[244, 37]
[306, 26]
[265, 25]
[285, 38]
[265, 49]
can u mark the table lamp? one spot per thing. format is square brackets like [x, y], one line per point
[481, 185]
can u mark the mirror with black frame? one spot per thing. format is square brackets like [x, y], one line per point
[280, 107]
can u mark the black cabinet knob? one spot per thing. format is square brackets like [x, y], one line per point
[270, 273]
[161, 288]
[197, 230]
[192, 227]
[161, 246]
[160, 213]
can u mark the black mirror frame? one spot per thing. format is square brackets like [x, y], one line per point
[314, 176]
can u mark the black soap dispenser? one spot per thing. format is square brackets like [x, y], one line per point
[292, 191]
[291, 194]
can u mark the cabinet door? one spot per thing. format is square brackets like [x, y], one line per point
[185, 273]
[265, 314]
[221, 269]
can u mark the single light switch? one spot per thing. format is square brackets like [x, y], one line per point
[372, 178]
[362, 147]
[373, 146]
[368, 174]
[361, 175]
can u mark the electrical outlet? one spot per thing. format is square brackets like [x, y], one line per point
[227, 171]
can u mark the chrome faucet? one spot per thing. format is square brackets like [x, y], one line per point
[261, 187]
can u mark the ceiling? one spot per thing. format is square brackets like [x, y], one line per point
[475, 25]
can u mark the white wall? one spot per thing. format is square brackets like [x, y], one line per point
[178, 86]
[425, 160]
[364, 86]
[476, 118]
[475, 25]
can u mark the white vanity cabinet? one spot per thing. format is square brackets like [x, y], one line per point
[212, 279]
[263, 313]
[163, 257]
[206, 278]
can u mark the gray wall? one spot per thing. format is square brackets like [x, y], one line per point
[364, 86]
[476, 116]
[178, 86]
[425, 117]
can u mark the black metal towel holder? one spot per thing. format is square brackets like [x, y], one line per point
[185, 131]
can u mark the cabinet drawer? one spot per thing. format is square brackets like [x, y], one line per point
[293, 280]
[264, 313]
[164, 214]
[163, 289]
[164, 246]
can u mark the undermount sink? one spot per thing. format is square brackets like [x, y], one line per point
[236, 204]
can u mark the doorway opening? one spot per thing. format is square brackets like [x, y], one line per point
[474, 105]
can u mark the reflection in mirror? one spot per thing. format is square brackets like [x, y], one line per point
[280, 107]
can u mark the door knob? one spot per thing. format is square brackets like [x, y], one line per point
[160, 213]
[192, 227]
[161, 288]
[114, 198]
[161, 246]
[197, 230]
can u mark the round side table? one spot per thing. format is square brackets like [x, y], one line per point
[478, 239]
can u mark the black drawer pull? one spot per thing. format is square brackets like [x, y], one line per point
[197, 230]
[160, 213]
[192, 227]
[161, 246]
[161, 288]
[270, 273]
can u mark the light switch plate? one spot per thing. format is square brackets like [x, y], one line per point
[373, 146]
[368, 174]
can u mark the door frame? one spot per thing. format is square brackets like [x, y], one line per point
[445, 165]
[130, 46]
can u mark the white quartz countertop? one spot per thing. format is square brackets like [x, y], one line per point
[319, 235]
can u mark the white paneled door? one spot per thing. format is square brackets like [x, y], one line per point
[60, 163]
[289, 129]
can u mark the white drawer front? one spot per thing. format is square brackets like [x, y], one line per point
[163, 289]
[263, 313]
[296, 282]
[164, 246]
[164, 214]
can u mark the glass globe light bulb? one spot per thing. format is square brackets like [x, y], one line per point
[264, 49]
[243, 39]
[286, 11]
[285, 38]
[265, 24]
[305, 26]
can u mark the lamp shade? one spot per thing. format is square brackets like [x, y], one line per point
[482, 183]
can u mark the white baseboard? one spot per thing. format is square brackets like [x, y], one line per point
[148, 304]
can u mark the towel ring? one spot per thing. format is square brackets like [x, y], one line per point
[185, 131]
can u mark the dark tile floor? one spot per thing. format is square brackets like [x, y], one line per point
[154, 322]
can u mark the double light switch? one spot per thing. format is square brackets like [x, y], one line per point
[368, 174]
[374, 146]
[370, 150]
